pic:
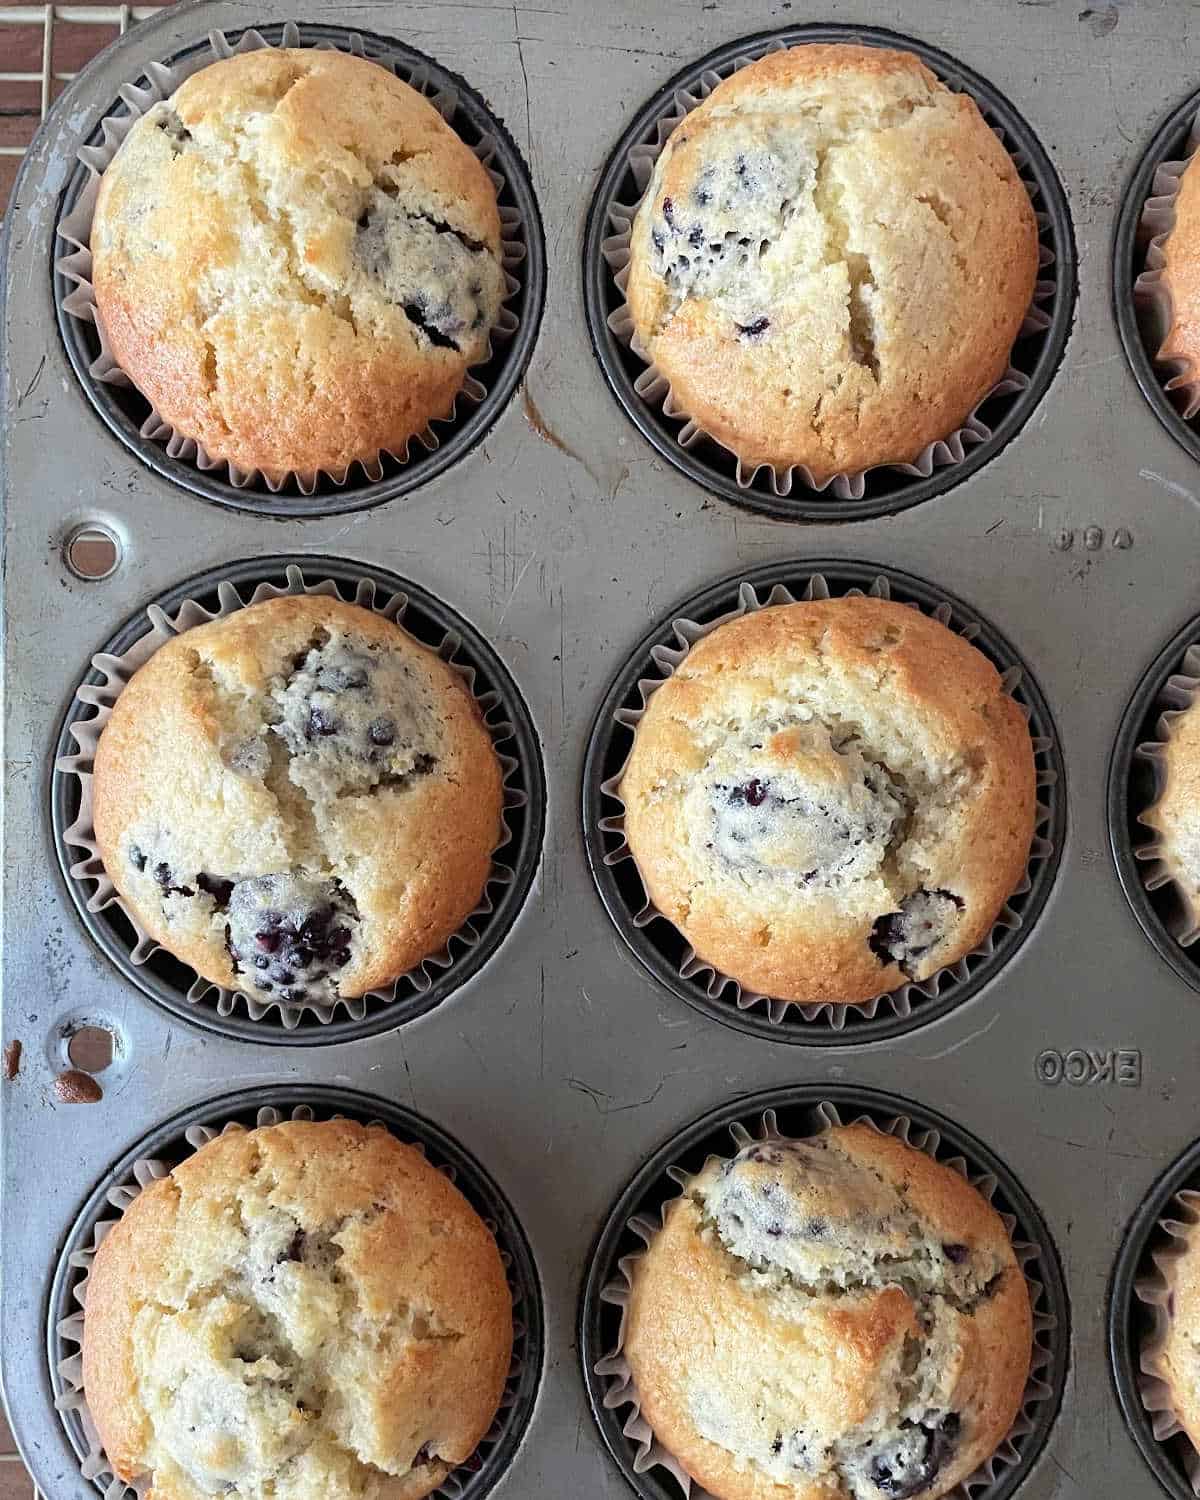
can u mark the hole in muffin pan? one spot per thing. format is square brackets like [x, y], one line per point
[166, 980]
[90, 1049]
[1131, 789]
[1036, 355]
[123, 409]
[1168, 143]
[796, 1110]
[1130, 1321]
[92, 552]
[662, 948]
[169, 1144]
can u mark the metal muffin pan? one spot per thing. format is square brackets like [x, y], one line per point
[888, 490]
[168, 981]
[123, 408]
[565, 537]
[169, 1144]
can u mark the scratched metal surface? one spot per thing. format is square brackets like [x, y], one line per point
[561, 1065]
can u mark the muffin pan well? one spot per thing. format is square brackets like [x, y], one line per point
[489, 387]
[886, 489]
[175, 985]
[662, 948]
[175, 1139]
[1133, 787]
[1131, 1322]
[571, 543]
[798, 1112]
[1169, 143]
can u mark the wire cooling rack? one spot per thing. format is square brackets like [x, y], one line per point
[41, 48]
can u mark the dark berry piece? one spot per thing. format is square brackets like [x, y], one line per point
[658, 239]
[261, 961]
[777, 1445]
[320, 724]
[298, 957]
[339, 937]
[342, 957]
[291, 997]
[754, 330]
[295, 1249]
[696, 236]
[215, 886]
[136, 858]
[774, 1231]
[162, 873]
[887, 934]
[955, 1254]
[755, 792]
[268, 940]
[668, 211]
[382, 732]
[285, 976]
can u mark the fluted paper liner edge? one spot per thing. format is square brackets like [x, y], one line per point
[655, 389]
[1152, 295]
[614, 1367]
[73, 1399]
[1154, 1290]
[117, 670]
[1175, 698]
[832, 1012]
[161, 81]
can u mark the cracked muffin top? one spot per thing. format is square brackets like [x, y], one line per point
[301, 1311]
[830, 799]
[832, 260]
[299, 800]
[296, 260]
[841, 1318]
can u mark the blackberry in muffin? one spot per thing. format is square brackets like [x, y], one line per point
[832, 260]
[299, 800]
[304, 1310]
[297, 260]
[831, 799]
[841, 1316]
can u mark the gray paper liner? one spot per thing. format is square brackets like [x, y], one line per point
[655, 389]
[621, 1390]
[161, 81]
[146, 1170]
[117, 670]
[831, 1012]
[1150, 291]
[1176, 697]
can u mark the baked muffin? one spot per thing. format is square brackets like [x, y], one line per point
[832, 260]
[831, 1318]
[301, 1311]
[296, 260]
[1175, 817]
[829, 799]
[299, 800]
[1174, 1361]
